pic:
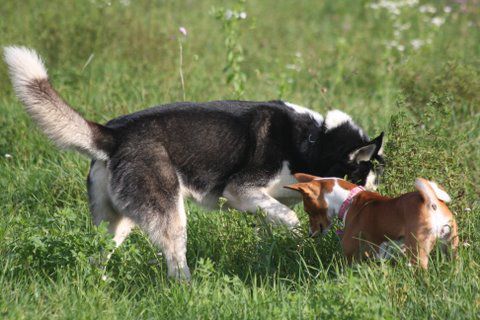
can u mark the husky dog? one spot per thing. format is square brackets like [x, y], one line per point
[144, 164]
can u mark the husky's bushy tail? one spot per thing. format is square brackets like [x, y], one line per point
[62, 124]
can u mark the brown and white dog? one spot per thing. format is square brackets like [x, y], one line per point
[414, 220]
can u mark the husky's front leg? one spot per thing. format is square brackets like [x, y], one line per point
[253, 199]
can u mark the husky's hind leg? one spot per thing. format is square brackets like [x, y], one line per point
[102, 209]
[149, 193]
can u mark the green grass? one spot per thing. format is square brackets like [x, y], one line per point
[108, 60]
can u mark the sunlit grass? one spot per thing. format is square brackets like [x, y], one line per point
[108, 60]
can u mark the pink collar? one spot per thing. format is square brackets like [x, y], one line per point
[346, 204]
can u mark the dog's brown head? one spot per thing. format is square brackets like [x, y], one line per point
[314, 191]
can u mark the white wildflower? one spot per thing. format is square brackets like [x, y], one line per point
[8, 156]
[411, 3]
[466, 209]
[405, 26]
[125, 3]
[392, 44]
[242, 15]
[438, 21]
[183, 31]
[293, 67]
[228, 14]
[400, 47]
[395, 11]
[428, 8]
[392, 7]
[417, 43]
[447, 9]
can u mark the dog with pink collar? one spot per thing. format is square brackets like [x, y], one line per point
[414, 221]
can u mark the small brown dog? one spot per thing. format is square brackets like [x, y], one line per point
[371, 221]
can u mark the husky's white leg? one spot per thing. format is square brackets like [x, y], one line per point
[253, 199]
[170, 234]
[102, 209]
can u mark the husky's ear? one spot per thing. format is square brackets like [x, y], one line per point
[367, 152]
[379, 143]
[303, 177]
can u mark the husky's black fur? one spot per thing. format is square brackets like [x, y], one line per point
[210, 144]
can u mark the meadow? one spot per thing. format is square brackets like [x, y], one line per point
[409, 68]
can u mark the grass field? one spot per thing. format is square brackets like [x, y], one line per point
[410, 69]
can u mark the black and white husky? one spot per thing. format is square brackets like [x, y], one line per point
[144, 164]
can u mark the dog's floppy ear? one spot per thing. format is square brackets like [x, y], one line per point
[304, 188]
[303, 177]
[301, 187]
[368, 151]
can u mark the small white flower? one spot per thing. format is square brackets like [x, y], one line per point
[466, 209]
[417, 43]
[438, 21]
[8, 156]
[392, 44]
[447, 9]
[293, 67]
[466, 244]
[411, 3]
[183, 31]
[125, 3]
[242, 15]
[228, 14]
[405, 26]
[427, 9]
